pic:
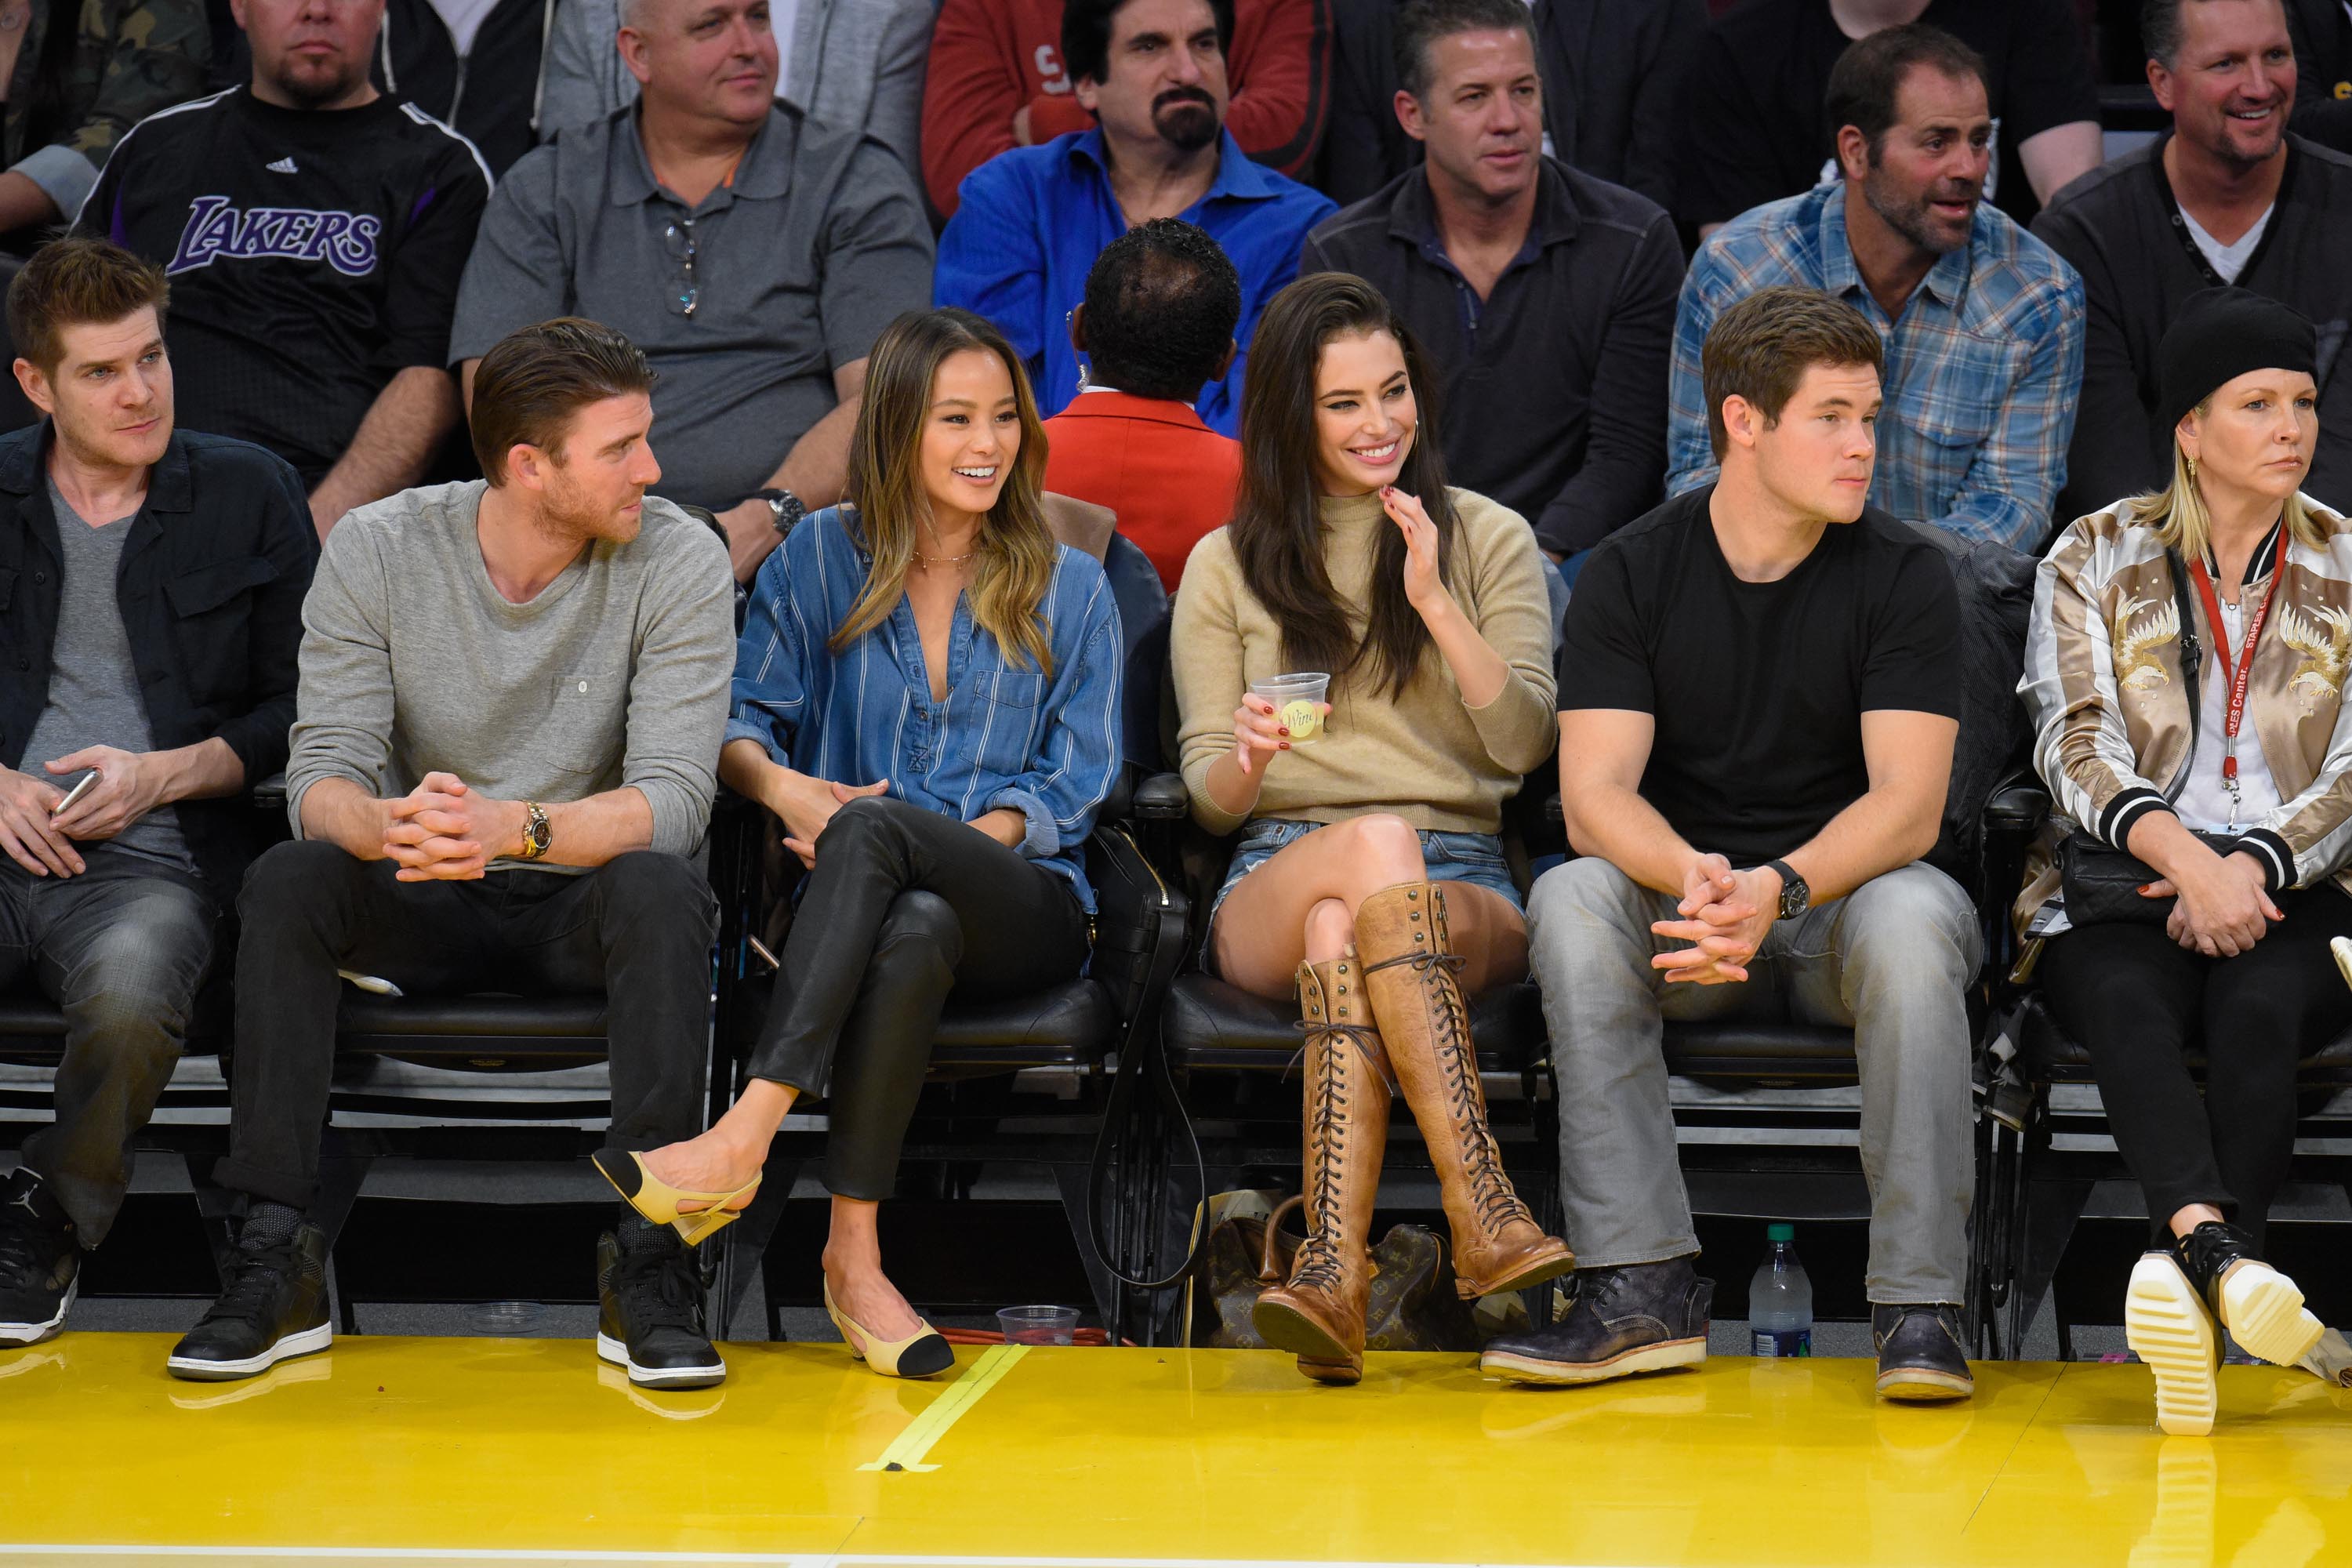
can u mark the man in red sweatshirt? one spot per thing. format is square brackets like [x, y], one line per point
[996, 80]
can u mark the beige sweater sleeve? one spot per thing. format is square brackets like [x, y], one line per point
[1205, 651]
[1514, 614]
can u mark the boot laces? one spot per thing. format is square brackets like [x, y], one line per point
[25, 1256]
[262, 1274]
[1498, 1205]
[1318, 1264]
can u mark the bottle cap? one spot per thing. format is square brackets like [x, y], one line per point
[1780, 1233]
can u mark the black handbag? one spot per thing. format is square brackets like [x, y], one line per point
[2102, 883]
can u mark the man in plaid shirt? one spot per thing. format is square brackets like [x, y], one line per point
[1983, 323]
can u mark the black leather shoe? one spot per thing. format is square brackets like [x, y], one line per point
[40, 1261]
[276, 1307]
[649, 1287]
[1645, 1317]
[1921, 1357]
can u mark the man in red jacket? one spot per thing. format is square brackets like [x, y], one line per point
[1158, 323]
[996, 80]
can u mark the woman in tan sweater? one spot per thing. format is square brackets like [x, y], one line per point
[1368, 879]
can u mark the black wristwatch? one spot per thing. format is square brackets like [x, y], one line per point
[1795, 897]
[786, 507]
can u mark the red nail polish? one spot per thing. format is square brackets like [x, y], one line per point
[1281, 731]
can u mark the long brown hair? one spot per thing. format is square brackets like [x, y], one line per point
[1017, 550]
[1278, 535]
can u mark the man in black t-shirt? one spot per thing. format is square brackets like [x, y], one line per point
[1756, 725]
[1756, 124]
[314, 231]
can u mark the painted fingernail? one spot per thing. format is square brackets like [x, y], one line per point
[1283, 731]
[1286, 746]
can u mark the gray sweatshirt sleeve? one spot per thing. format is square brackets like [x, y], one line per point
[678, 687]
[343, 702]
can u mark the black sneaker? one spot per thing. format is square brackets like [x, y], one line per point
[40, 1261]
[2261, 1307]
[1921, 1360]
[649, 1287]
[1645, 1317]
[276, 1308]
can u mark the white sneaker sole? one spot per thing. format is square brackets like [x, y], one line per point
[303, 1342]
[2168, 1328]
[1662, 1357]
[2265, 1313]
[34, 1334]
[2342, 948]
[612, 1350]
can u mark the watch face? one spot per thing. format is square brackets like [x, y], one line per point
[1794, 898]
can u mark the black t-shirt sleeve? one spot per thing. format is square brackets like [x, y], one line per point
[1603, 661]
[1913, 660]
[420, 294]
[2046, 80]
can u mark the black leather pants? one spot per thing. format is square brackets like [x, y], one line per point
[904, 906]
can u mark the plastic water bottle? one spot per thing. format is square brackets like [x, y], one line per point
[1780, 1299]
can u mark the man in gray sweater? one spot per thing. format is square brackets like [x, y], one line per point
[507, 735]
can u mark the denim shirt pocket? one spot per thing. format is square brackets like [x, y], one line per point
[1010, 717]
[1953, 411]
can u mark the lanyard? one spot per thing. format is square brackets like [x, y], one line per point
[2236, 674]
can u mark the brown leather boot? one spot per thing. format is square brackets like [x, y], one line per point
[1425, 1023]
[1319, 1315]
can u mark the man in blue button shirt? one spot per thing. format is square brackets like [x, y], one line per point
[1030, 222]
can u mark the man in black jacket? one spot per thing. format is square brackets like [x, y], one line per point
[2227, 196]
[151, 596]
[1612, 76]
[1544, 297]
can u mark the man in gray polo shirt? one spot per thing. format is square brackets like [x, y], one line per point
[753, 254]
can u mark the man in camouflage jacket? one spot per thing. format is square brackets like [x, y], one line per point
[71, 97]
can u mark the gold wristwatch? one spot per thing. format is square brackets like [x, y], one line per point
[536, 832]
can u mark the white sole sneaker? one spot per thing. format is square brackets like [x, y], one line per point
[2265, 1313]
[302, 1342]
[34, 1334]
[2168, 1328]
[612, 1350]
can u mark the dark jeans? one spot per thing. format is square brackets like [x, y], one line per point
[2135, 1000]
[638, 928]
[904, 906]
[121, 950]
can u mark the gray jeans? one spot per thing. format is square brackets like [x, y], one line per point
[121, 950]
[1892, 960]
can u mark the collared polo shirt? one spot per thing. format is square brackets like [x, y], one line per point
[796, 266]
[1029, 223]
[1552, 394]
[1983, 366]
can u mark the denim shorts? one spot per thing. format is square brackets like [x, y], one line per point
[1475, 857]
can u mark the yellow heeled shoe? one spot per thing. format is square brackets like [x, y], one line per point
[920, 1354]
[657, 1200]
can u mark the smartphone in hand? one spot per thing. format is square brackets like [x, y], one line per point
[75, 794]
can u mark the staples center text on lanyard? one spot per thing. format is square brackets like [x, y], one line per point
[2235, 674]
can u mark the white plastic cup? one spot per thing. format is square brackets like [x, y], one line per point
[1039, 1325]
[1297, 701]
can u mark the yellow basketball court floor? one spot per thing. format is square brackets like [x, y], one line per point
[389, 1450]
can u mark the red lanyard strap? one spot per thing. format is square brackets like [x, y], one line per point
[2236, 673]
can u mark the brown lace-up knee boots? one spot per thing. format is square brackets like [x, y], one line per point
[1409, 971]
[1319, 1314]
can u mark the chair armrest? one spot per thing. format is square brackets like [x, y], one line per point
[2017, 807]
[270, 794]
[1162, 797]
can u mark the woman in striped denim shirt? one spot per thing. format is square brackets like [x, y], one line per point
[926, 695]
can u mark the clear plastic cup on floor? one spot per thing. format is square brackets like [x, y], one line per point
[1297, 701]
[1039, 1325]
[505, 1318]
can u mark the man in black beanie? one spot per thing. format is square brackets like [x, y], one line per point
[2227, 196]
